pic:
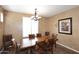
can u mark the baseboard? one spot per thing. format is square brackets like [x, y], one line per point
[68, 47]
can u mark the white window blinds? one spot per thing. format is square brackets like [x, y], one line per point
[29, 26]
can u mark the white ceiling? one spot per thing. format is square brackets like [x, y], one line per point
[43, 10]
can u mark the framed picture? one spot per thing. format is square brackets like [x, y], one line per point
[65, 26]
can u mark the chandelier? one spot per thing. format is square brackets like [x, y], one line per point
[35, 17]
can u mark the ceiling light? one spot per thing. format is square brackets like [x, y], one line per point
[35, 17]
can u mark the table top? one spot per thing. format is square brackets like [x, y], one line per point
[26, 42]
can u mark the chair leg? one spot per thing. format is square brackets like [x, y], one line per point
[55, 45]
[52, 50]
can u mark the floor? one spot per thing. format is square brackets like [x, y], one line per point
[62, 50]
[58, 50]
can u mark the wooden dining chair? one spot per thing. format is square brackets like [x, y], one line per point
[7, 41]
[50, 44]
[31, 36]
[54, 35]
[54, 38]
[47, 33]
[38, 35]
[40, 47]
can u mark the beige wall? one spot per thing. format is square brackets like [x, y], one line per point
[13, 24]
[42, 25]
[68, 40]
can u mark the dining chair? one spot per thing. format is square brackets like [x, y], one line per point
[54, 38]
[31, 36]
[41, 47]
[38, 35]
[50, 44]
[47, 33]
[7, 41]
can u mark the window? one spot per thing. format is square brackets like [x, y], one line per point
[1, 17]
[29, 26]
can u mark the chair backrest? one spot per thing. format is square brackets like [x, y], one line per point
[7, 37]
[54, 36]
[47, 33]
[38, 35]
[31, 36]
[7, 40]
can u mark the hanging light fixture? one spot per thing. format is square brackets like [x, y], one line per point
[35, 17]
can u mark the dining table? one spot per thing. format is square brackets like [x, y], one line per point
[26, 42]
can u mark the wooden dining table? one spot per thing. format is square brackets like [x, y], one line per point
[26, 42]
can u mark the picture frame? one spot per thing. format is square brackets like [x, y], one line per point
[65, 26]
